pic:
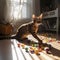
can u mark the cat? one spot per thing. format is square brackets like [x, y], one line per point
[29, 28]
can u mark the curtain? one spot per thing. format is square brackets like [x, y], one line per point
[18, 9]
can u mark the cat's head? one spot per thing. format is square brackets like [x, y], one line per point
[37, 19]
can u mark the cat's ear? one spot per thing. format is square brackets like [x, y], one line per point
[33, 16]
[41, 16]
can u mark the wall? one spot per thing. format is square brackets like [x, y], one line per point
[2, 7]
[37, 7]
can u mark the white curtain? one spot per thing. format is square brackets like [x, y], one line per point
[18, 9]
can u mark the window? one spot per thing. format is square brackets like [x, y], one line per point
[19, 9]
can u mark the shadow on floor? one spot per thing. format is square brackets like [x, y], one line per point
[55, 51]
